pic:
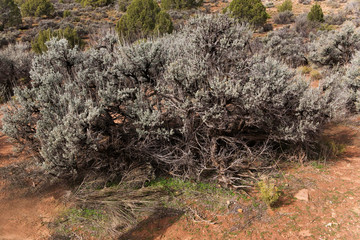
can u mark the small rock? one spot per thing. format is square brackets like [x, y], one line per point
[303, 194]
[240, 210]
[305, 233]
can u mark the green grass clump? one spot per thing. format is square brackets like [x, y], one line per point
[269, 193]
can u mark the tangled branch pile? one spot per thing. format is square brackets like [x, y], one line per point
[200, 103]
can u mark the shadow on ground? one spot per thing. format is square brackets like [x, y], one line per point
[154, 226]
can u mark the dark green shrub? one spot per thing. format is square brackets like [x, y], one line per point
[95, 3]
[143, 18]
[180, 4]
[316, 14]
[252, 11]
[37, 8]
[123, 5]
[163, 23]
[38, 44]
[9, 14]
[285, 6]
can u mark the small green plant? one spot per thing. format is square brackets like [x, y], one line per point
[317, 165]
[316, 14]
[285, 6]
[304, 69]
[326, 27]
[269, 193]
[85, 221]
[335, 148]
[315, 75]
[66, 13]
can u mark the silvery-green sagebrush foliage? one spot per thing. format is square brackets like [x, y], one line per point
[335, 47]
[352, 80]
[198, 103]
[15, 63]
[288, 46]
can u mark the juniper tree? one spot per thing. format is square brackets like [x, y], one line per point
[143, 18]
[316, 14]
[38, 44]
[9, 14]
[250, 11]
[37, 8]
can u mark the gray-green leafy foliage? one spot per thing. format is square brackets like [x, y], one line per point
[286, 45]
[199, 103]
[335, 47]
[15, 63]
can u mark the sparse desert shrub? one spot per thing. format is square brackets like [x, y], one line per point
[285, 6]
[8, 37]
[304, 27]
[352, 81]
[335, 47]
[180, 4]
[250, 11]
[285, 17]
[198, 103]
[286, 45]
[143, 18]
[316, 14]
[335, 18]
[15, 63]
[38, 44]
[9, 14]
[333, 3]
[37, 8]
[353, 7]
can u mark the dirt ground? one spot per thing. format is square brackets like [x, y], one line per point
[332, 211]
[24, 213]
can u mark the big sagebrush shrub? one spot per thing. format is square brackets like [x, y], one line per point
[288, 46]
[15, 63]
[198, 104]
[285, 17]
[335, 47]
